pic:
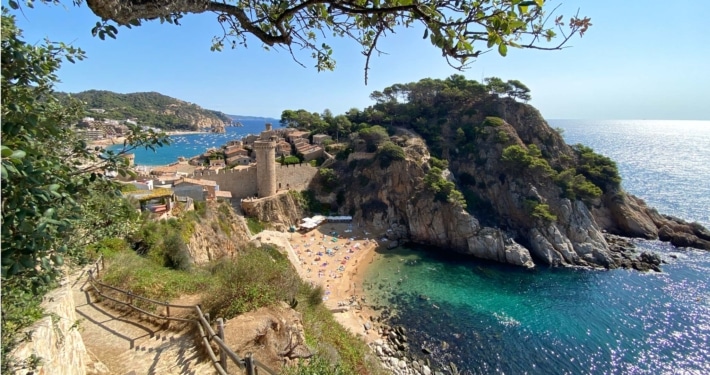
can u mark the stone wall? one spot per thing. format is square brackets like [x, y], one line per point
[294, 176]
[240, 182]
[55, 338]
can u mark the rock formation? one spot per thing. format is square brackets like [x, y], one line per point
[221, 233]
[274, 334]
[533, 209]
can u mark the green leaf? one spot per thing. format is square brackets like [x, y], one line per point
[6, 151]
[18, 154]
[57, 259]
[502, 49]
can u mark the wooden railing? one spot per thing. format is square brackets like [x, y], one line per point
[226, 355]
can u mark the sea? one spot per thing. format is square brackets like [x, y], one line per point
[490, 318]
[189, 145]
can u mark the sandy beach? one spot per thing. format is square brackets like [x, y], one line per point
[336, 257]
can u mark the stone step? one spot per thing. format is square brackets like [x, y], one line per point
[124, 344]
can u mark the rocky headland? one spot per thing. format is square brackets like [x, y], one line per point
[506, 187]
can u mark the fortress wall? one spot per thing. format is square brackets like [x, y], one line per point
[295, 176]
[240, 182]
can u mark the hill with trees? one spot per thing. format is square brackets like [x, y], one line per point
[149, 109]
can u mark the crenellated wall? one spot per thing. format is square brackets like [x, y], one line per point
[242, 183]
[55, 338]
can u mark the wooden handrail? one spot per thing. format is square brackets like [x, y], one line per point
[206, 332]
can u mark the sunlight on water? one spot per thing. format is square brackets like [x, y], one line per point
[492, 318]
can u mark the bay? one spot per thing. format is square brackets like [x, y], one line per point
[490, 318]
[189, 145]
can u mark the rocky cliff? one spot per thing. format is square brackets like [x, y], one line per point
[281, 211]
[219, 233]
[529, 197]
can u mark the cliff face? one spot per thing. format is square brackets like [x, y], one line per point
[397, 198]
[220, 233]
[528, 198]
[281, 211]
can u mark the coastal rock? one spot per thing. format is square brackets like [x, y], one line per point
[272, 334]
[209, 241]
[281, 211]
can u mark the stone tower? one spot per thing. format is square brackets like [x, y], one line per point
[265, 148]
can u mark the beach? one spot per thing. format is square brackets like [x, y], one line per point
[334, 256]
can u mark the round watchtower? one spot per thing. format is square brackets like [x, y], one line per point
[265, 148]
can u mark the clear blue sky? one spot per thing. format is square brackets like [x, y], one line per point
[639, 60]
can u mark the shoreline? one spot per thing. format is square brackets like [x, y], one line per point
[340, 272]
[118, 140]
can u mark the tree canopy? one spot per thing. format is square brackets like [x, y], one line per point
[461, 29]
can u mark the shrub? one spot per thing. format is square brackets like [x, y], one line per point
[287, 160]
[438, 163]
[521, 159]
[176, 254]
[493, 121]
[599, 169]
[329, 179]
[390, 152]
[444, 190]
[539, 210]
[577, 186]
[259, 277]
[254, 225]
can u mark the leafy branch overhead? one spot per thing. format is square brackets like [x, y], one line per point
[461, 29]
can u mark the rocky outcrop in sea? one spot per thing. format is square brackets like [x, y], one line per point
[520, 215]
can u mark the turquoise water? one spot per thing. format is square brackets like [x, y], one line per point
[190, 145]
[491, 318]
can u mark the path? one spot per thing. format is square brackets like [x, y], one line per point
[125, 344]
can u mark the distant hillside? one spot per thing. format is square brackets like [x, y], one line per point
[150, 109]
[272, 120]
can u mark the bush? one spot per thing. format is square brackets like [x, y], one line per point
[599, 169]
[493, 121]
[577, 186]
[539, 210]
[329, 179]
[438, 163]
[390, 152]
[444, 191]
[521, 159]
[254, 225]
[258, 278]
[287, 160]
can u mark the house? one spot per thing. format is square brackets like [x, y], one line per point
[318, 139]
[292, 136]
[231, 151]
[219, 162]
[283, 148]
[239, 160]
[199, 190]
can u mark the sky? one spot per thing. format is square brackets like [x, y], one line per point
[639, 60]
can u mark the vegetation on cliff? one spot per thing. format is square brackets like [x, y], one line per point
[148, 109]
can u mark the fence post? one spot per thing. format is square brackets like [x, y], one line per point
[222, 353]
[249, 364]
[103, 265]
[167, 314]
[98, 272]
[130, 298]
